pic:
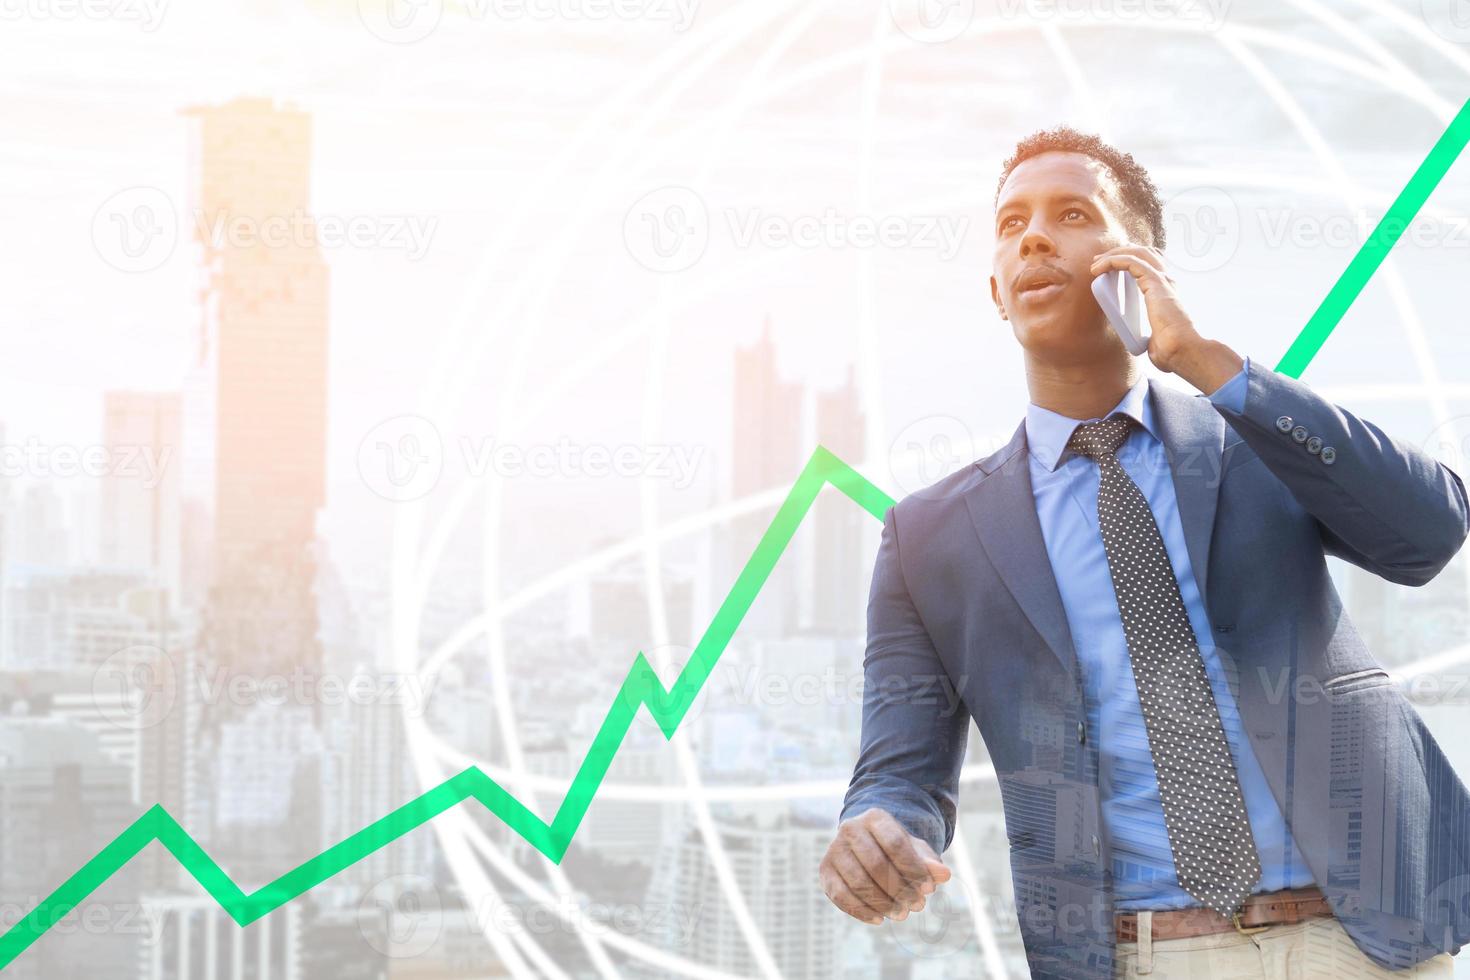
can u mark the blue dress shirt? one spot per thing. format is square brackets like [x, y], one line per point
[1064, 485]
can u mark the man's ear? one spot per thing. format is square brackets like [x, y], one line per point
[995, 296]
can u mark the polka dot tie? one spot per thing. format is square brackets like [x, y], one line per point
[1204, 812]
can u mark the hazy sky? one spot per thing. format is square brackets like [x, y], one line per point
[512, 169]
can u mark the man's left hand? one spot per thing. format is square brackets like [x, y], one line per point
[1171, 332]
[1173, 344]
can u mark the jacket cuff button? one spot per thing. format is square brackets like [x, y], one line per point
[1284, 423]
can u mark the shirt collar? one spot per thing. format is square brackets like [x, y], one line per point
[1047, 432]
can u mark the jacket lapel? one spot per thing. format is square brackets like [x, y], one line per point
[1194, 439]
[1003, 510]
[1004, 514]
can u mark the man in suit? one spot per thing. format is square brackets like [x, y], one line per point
[1203, 770]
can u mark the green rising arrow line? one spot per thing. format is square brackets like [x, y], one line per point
[641, 687]
[1372, 252]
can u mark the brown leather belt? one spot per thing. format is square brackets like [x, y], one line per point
[1281, 907]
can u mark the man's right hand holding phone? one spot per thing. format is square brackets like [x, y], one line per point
[875, 868]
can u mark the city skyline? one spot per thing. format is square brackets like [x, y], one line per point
[391, 278]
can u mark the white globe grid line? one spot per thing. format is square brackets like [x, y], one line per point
[648, 542]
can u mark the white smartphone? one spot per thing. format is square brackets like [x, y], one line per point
[1117, 293]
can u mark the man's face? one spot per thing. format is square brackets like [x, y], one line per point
[1056, 212]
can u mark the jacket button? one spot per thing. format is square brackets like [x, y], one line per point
[1284, 423]
[1081, 732]
[1314, 445]
[1299, 433]
[1328, 455]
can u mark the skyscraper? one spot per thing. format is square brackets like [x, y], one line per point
[140, 494]
[255, 447]
[367, 773]
[774, 852]
[839, 599]
[59, 796]
[195, 938]
[263, 361]
[64, 619]
[38, 533]
[767, 416]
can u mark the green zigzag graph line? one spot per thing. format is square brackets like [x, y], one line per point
[641, 687]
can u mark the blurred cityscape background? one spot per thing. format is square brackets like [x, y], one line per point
[380, 379]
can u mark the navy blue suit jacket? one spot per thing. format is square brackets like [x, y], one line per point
[964, 610]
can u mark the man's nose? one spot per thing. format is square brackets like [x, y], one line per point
[1036, 240]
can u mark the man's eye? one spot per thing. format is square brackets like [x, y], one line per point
[1077, 211]
[1007, 222]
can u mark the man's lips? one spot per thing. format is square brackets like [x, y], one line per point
[1040, 291]
[1040, 283]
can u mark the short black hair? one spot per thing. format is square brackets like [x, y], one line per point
[1140, 196]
